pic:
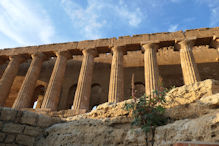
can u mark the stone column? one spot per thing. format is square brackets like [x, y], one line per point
[82, 94]
[189, 67]
[151, 68]
[25, 95]
[116, 86]
[51, 98]
[215, 44]
[8, 77]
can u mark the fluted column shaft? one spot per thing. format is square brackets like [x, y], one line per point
[189, 67]
[53, 91]
[116, 86]
[25, 95]
[217, 46]
[8, 77]
[82, 94]
[151, 68]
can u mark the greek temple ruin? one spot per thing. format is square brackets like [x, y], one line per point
[80, 75]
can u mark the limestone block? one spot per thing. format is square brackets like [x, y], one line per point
[135, 135]
[46, 121]
[204, 128]
[86, 44]
[10, 138]
[189, 93]
[2, 136]
[145, 37]
[13, 128]
[29, 118]
[25, 140]
[122, 41]
[211, 100]
[104, 42]
[32, 131]
[202, 32]
[1, 124]
[10, 145]
[18, 116]
[137, 39]
[186, 143]
[8, 114]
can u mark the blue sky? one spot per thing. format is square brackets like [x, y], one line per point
[34, 22]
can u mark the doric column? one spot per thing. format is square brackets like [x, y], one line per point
[116, 86]
[151, 68]
[53, 90]
[189, 67]
[82, 94]
[217, 47]
[215, 44]
[8, 77]
[25, 95]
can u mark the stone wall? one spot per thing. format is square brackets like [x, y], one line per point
[192, 122]
[109, 124]
[22, 127]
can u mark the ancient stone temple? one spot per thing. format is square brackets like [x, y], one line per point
[81, 75]
[44, 88]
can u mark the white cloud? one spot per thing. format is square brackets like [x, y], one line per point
[21, 23]
[133, 18]
[93, 18]
[213, 6]
[84, 18]
[214, 21]
[173, 28]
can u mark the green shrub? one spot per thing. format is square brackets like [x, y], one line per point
[148, 111]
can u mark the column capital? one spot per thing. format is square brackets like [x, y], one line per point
[119, 49]
[150, 45]
[64, 53]
[187, 43]
[39, 55]
[215, 42]
[18, 58]
[92, 51]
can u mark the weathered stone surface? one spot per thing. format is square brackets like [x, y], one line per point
[104, 135]
[10, 145]
[186, 143]
[46, 121]
[13, 128]
[204, 128]
[10, 138]
[109, 123]
[29, 118]
[2, 136]
[1, 124]
[32, 131]
[189, 93]
[25, 140]
[100, 132]
[8, 114]
[83, 91]
[211, 100]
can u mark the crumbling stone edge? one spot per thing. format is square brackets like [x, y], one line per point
[19, 127]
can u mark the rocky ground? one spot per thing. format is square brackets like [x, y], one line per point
[193, 111]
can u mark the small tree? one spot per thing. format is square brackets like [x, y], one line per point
[148, 112]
